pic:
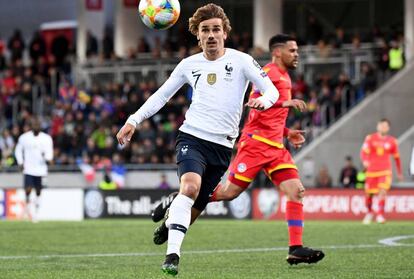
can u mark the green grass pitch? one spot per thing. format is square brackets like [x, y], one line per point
[212, 249]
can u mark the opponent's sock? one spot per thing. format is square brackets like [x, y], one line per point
[178, 221]
[381, 207]
[294, 218]
[213, 196]
[368, 203]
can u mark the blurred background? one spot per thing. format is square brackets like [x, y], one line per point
[84, 66]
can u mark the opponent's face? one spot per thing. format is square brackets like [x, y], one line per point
[289, 54]
[383, 127]
[211, 36]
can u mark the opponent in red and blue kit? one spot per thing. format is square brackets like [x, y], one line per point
[376, 155]
[261, 148]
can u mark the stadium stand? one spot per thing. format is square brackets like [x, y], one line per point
[83, 120]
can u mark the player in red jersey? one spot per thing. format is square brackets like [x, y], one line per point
[375, 156]
[261, 148]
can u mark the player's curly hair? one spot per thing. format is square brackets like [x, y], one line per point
[206, 12]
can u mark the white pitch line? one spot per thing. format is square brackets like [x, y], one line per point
[220, 251]
[392, 241]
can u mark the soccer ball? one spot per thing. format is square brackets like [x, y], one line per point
[159, 14]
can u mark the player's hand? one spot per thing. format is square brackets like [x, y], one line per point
[125, 134]
[296, 138]
[256, 104]
[295, 103]
[400, 177]
[21, 168]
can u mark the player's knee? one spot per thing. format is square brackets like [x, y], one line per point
[297, 193]
[382, 193]
[301, 192]
[190, 190]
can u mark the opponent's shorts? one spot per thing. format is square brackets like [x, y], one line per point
[31, 181]
[208, 159]
[374, 184]
[253, 156]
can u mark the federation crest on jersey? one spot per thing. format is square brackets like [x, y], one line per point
[229, 69]
[211, 78]
[241, 167]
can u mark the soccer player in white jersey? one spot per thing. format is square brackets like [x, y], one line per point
[219, 77]
[33, 151]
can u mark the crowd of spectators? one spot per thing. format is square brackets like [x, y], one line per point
[84, 121]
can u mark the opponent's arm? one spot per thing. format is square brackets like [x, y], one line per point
[365, 152]
[293, 103]
[397, 159]
[295, 137]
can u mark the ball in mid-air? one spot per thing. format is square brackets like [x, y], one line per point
[159, 14]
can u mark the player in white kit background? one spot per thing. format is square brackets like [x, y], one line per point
[34, 150]
[219, 78]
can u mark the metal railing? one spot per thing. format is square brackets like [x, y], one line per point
[345, 60]
[39, 93]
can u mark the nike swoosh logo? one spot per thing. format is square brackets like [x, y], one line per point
[193, 72]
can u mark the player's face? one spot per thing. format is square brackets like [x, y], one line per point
[290, 55]
[36, 126]
[383, 128]
[211, 36]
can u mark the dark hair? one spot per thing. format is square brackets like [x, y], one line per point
[278, 40]
[206, 12]
[385, 120]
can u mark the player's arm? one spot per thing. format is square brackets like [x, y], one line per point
[255, 74]
[152, 105]
[18, 152]
[293, 103]
[397, 159]
[365, 151]
[48, 154]
[295, 137]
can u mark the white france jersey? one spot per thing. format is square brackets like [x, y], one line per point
[218, 94]
[33, 151]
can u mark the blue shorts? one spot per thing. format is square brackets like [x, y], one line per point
[31, 181]
[208, 159]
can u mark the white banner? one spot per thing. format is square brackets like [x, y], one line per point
[54, 204]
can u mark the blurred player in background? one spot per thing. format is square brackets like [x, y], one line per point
[261, 148]
[34, 150]
[219, 77]
[375, 156]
